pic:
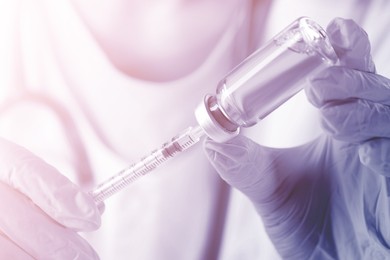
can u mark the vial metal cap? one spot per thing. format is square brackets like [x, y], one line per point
[210, 125]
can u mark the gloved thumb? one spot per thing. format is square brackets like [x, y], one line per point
[47, 188]
[255, 170]
[235, 161]
[268, 176]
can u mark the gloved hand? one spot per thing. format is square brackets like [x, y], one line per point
[326, 199]
[40, 210]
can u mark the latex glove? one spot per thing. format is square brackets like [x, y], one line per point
[353, 100]
[320, 200]
[41, 210]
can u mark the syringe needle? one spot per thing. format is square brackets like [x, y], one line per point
[148, 163]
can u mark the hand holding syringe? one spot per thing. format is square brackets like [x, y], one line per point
[251, 91]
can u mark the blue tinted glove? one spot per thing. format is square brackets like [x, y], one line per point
[326, 199]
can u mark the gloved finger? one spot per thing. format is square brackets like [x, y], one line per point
[337, 84]
[351, 44]
[375, 154]
[47, 188]
[356, 121]
[9, 250]
[35, 232]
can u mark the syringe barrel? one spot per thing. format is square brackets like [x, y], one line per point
[177, 144]
[128, 175]
[267, 78]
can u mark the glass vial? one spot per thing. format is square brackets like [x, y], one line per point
[266, 79]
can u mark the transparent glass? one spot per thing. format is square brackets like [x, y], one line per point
[145, 165]
[273, 74]
[255, 88]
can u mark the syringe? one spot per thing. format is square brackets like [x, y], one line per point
[177, 144]
[246, 95]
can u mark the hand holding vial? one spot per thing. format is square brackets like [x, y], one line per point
[251, 91]
[327, 198]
